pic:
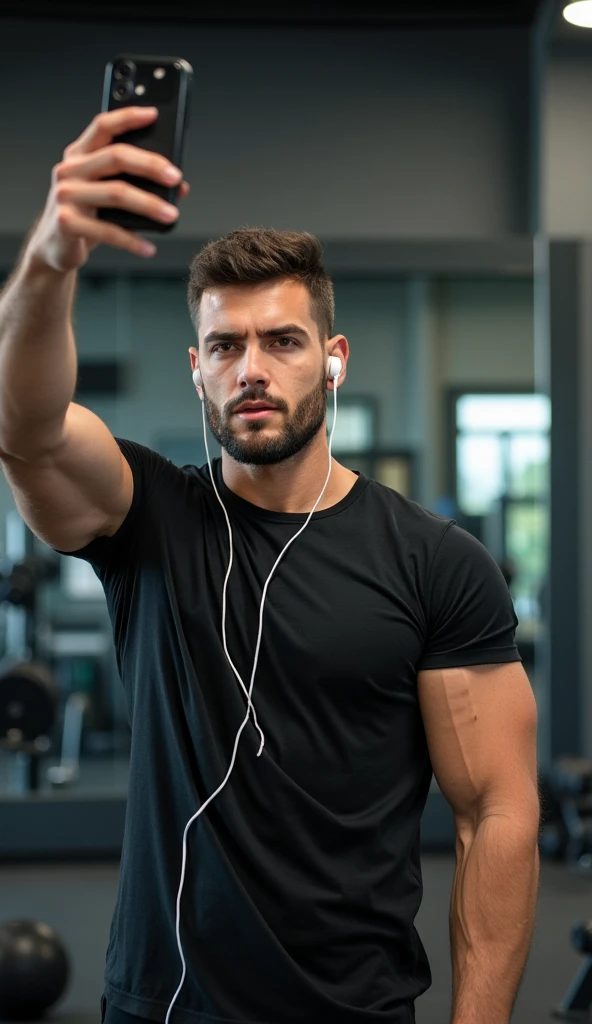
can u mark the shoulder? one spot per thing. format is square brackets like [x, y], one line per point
[437, 543]
[150, 468]
[412, 520]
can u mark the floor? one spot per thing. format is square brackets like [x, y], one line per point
[78, 900]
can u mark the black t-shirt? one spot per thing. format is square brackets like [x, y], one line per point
[303, 875]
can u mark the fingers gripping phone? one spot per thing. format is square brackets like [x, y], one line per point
[162, 82]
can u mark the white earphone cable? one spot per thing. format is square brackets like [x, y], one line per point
[234, 669]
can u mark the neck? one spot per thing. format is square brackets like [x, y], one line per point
[292, 485]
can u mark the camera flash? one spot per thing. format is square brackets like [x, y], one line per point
[159, 72]
[140, 90]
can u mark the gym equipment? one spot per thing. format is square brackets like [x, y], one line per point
[18, 585]
[22, 570]
[566, 792]
[576, 1003]
[67, 771]
[34, 969]
[29, 695]
[28, 702]
[553, 833]
[28, 699]
[28, 707]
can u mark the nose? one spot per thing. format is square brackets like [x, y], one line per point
[252, 370]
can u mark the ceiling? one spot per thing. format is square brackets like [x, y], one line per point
[395, 13]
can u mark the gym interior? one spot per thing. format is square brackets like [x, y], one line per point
[442, 153]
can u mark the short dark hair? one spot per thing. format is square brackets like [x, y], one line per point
[250, 255]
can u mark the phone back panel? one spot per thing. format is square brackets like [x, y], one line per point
[162, 82]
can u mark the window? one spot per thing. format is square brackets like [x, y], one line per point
[502, 461]
[502, 448]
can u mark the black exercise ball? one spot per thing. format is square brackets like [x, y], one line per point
[34, 969]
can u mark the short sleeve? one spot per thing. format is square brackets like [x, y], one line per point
[147, 469]
[471, 617]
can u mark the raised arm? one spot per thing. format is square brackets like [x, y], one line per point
[69, 479]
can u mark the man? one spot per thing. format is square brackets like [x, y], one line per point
[387, 651]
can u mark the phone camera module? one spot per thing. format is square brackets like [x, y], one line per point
[122, 91]
[124, 70]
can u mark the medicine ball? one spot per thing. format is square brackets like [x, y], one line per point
[34, 969]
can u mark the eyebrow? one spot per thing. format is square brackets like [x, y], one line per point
[273, 332]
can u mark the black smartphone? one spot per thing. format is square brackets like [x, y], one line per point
[145, 81]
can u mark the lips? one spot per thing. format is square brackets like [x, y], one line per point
[255, 407]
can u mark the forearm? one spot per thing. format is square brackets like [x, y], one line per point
[38, 363]
[492, 917]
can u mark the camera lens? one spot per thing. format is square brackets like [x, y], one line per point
[122, 91]
[123, 70]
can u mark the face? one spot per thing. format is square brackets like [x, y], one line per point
[241, 361]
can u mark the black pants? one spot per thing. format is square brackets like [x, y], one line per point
[111, 1015]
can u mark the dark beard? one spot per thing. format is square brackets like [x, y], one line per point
[298, 430]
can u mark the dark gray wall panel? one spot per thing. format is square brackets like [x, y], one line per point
[365, 132]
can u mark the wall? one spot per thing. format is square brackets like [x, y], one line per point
[567, 141]
[487, 333]
[482, 336]
[344, 132]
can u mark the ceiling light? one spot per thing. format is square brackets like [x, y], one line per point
[579, 13]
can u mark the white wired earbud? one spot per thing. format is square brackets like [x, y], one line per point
[334, 368]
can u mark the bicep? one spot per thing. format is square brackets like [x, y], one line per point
[80, 491]
[481, 726]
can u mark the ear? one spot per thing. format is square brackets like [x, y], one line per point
[194, 362]
[338, 346]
